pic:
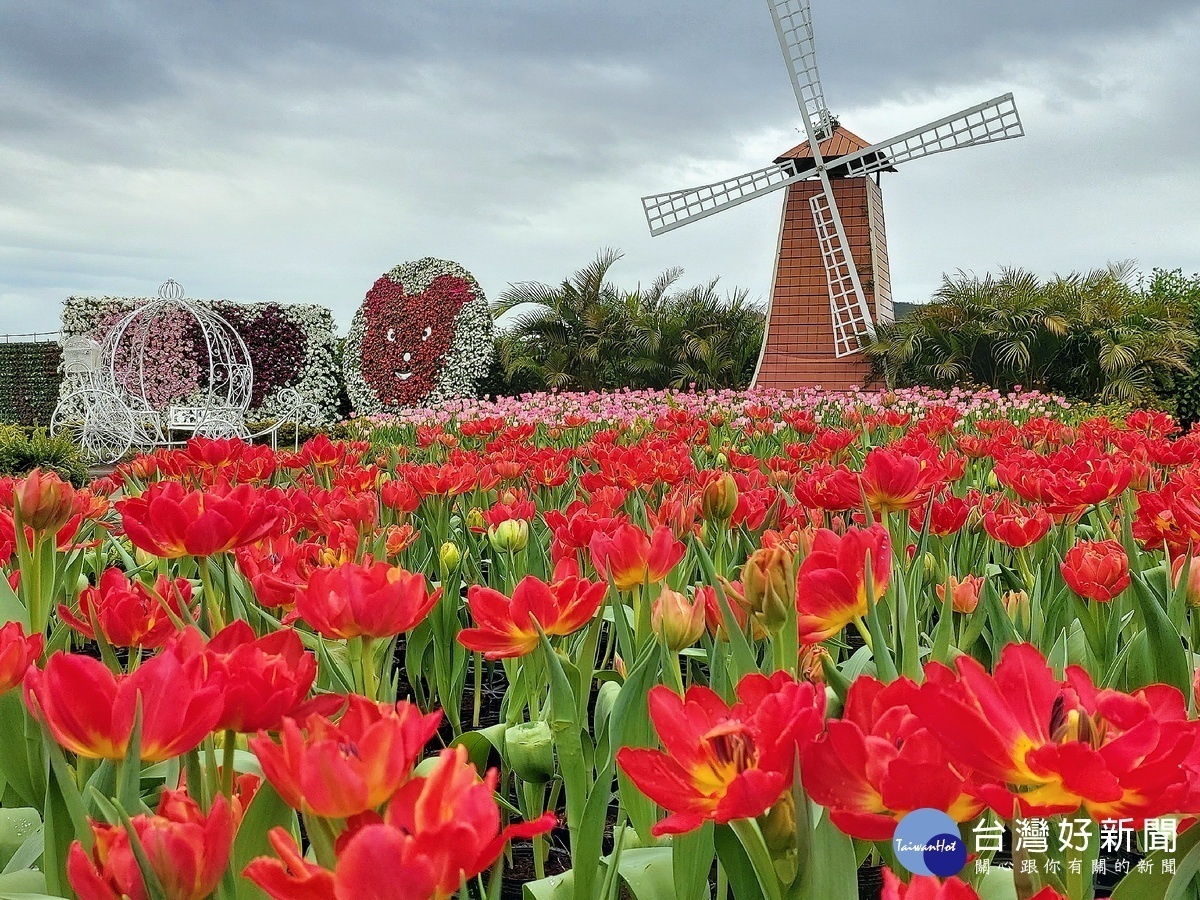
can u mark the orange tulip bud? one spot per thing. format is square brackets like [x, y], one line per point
[720, 499]
[677, 620]
[964, 594]
[44, 500]
[769, 585]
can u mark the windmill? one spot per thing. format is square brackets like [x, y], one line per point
[832, 266]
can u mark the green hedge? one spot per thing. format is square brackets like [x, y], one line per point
[29, 380]
[24, 449]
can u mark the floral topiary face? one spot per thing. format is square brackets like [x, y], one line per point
[407, 337]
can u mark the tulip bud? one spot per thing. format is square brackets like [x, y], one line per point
[992, 481]
[511, 535]
[475, 520]
[722, 460]
[769, 585]
[720, 499]
[81, 584]
[529, 749]
[1191, 591]
[812, 663]
[619, 666]
[449, 556]
[679, 622]
[779, 825]
[1016, 604]
[929, 563]
[143, 558]
[44, 501]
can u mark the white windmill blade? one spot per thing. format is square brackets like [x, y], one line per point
[847, 302]
[666, 212]
[793, 26]
[995, 120]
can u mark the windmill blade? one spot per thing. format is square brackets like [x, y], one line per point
[793, 26]
[666, 212]
[847, 303]
[995, 120]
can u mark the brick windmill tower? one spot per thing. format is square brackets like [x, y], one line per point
[832, 281]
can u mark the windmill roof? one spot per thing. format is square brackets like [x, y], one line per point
[841, 143]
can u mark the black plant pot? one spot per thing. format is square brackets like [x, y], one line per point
[870, 882]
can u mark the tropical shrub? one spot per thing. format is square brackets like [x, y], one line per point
[1094, 336]
[24, 449]
[588, 334]
[1179, 390]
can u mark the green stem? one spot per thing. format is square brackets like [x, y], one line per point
[755, 846]
[864, 631]
[370, 680]
[478, 690]
[228, 749]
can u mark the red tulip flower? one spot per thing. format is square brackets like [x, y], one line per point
[128, 613]
[17, 653]
[504, 627]
[832, 579]
[721, 763]
[892, 480]
[374, 600]
[1096, 570]
[439, 831]
[340, 770]
[44, 501]
[169, 520]
[187, 851]
[632, 558]
[1015, 525]
[878, 763]
[1042, 747]
[91, 712]
[452, 820]
[278, 567]
[265, 678]
[926, 887]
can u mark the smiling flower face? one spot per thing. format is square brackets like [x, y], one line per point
[423, 334]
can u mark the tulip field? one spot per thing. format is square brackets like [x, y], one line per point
[647, 646]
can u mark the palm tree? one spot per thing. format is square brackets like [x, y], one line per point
[586, 334]
[1091, 335]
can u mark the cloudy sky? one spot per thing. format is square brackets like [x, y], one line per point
[293, 150]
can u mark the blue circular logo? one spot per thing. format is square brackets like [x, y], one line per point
[928, 842]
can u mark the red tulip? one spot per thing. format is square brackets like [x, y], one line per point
[44, 501]
[169, 520]
[505, 627]
[453, 821]
[1096, 570]
[926, 887]
[265, 678]
[91, 712]
[632, 558]
[17, 653]
[1014, 525]
[878, 763]
[439, 831]
[278, 567]
[676, 620]
[721, 763]
[371, 600]
[832, 579]
[187, 851]
[891, 480]
[129, 613]
[1041, 747]
[340, 770]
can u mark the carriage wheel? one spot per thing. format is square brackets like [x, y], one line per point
[107, 430]
[69, 413]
